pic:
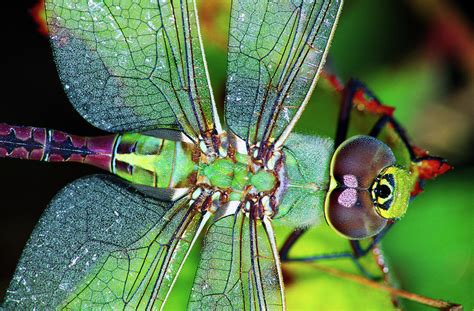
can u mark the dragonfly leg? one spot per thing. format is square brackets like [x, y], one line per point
[357, 252]
[290, 241]
[347, 255]
[360, 251]
[345, 112]
[382, 122]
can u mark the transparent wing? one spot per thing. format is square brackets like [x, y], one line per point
[276, 51]
[102, 243]
[239, 268]
[133, 65]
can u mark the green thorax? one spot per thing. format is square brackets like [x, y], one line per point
[305, 181]
[155, 162]
[234, 176]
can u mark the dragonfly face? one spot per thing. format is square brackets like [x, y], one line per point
[367, 189]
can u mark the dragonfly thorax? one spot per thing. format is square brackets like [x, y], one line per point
[238, 177]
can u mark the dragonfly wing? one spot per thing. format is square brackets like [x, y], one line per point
[239, 268]
[274, 63]
[101, 242]
[133, 65]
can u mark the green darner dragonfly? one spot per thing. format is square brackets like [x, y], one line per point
[138, 68]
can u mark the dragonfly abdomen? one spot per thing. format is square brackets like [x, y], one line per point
[41, 144]
[155, 162]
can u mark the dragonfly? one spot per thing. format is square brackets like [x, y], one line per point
[137, 69]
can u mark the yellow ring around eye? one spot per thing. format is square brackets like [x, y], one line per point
[399, 183]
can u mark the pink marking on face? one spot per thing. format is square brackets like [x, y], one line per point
[348, 197]
[350, 181]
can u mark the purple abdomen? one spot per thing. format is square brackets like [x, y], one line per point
[32, 143]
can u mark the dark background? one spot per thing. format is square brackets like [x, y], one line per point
[394, 49]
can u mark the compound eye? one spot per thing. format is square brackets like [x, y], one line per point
[362, 157]
[352, 214]
[350, 207]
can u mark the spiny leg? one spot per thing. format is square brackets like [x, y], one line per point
[358, 251]
[345, 112]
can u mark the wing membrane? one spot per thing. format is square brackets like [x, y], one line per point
[274, 63]
[239, 268]
[101, 243]
[133, 65]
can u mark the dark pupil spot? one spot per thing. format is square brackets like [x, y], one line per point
[383, 191]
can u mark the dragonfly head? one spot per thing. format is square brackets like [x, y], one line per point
[367, 189]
